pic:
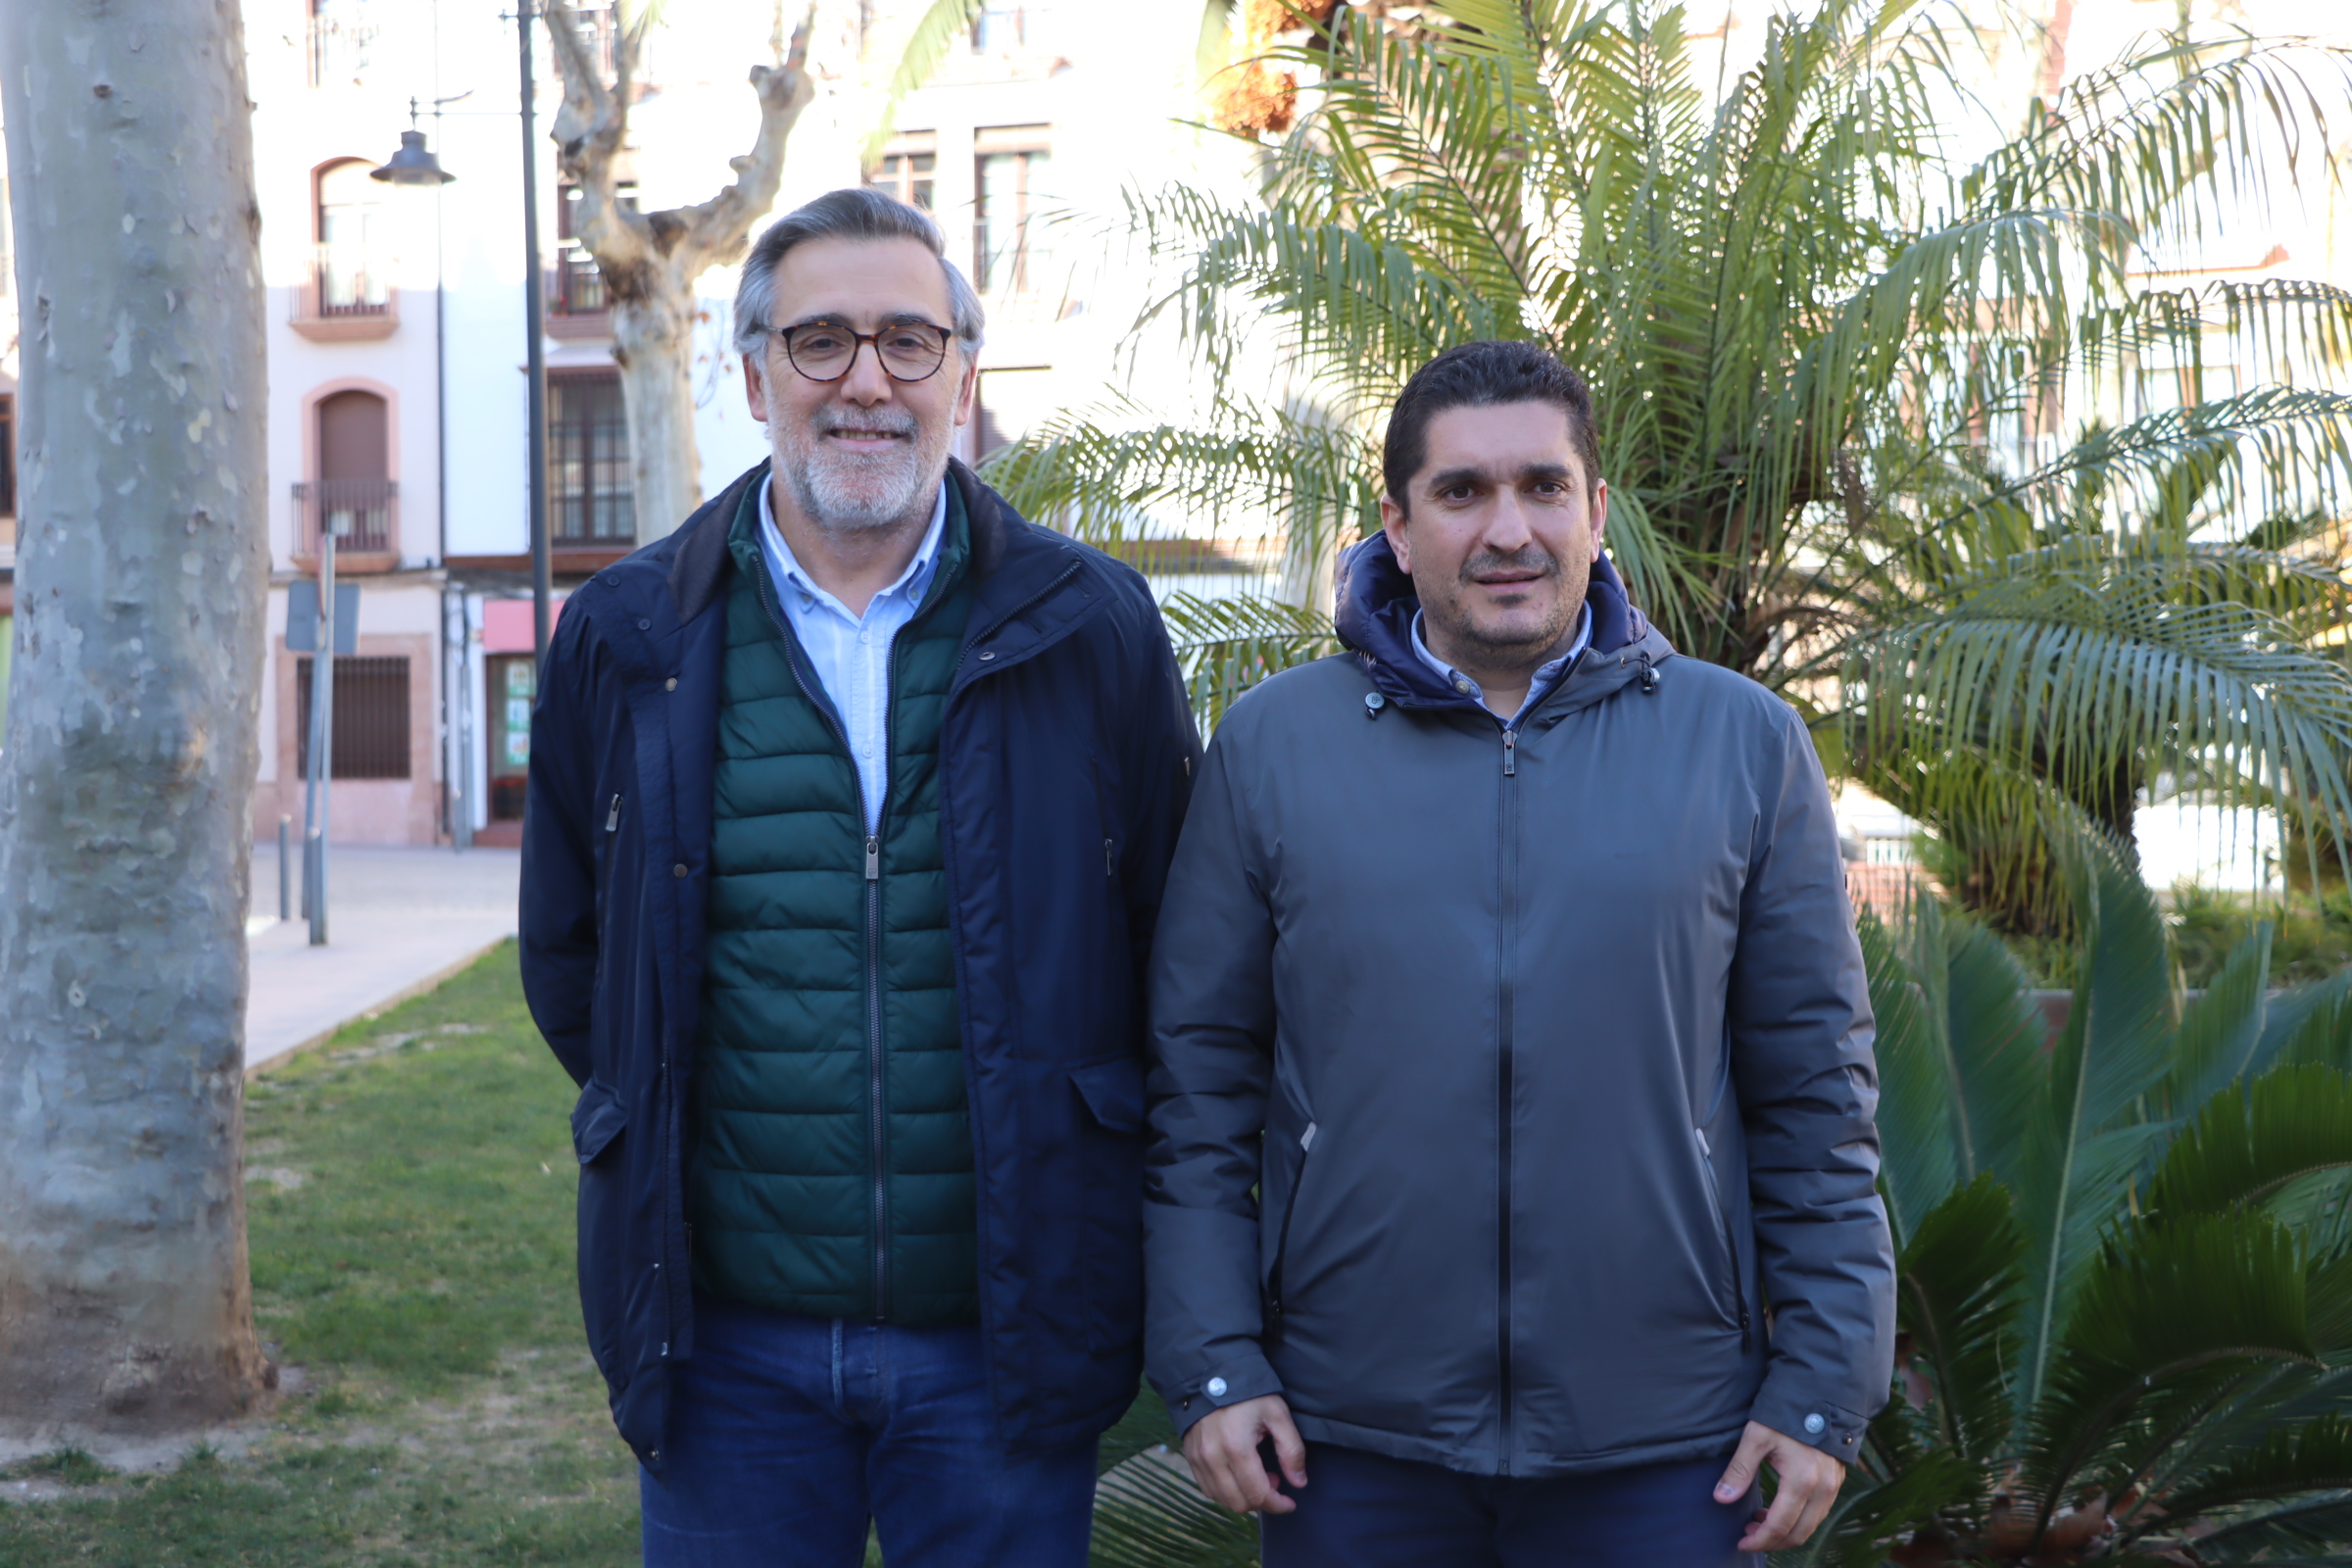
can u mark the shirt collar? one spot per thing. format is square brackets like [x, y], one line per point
[1549, 671]
[916, 579]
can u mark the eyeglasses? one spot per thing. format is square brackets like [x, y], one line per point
[824, 351]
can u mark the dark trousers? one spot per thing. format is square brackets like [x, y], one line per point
[1365, 1510]
[787, 1434]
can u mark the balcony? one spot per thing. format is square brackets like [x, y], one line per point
[363, 516]
[343, 296]
[577, 305]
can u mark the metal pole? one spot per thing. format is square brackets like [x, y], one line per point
[309, 773]
[534, 304]
[323, 728]
[285, 867]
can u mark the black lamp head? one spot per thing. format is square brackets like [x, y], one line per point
[412, 165]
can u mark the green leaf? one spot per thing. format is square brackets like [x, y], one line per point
[2289, 1463]
[2221, 1030]
[2169, 1315]
[1227, 645]
[1957, 1282]
[2251, 1141]
[2090, 1137]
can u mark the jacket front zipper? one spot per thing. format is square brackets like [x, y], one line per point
[1507, 846]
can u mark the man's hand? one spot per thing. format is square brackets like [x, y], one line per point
[1809, 1483]
[1222, 1449]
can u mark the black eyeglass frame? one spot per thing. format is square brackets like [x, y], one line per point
[858, 341]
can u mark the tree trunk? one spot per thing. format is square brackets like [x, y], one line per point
[653, 342]
[125, 788]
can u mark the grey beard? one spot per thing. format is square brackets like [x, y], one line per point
[841, 493]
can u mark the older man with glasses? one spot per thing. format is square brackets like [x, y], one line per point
[851, 806]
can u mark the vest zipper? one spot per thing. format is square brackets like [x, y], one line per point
[1507, 848]
[612, 818]
[763, 586]
[875, 1062]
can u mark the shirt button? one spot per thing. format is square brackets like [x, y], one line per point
[1217, 1388]
[671, 685]
[681, 870]
[1814, 1424]
[1462, 686]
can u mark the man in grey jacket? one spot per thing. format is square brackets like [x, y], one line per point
[1512, 1158]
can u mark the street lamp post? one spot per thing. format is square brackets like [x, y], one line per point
[534, 287]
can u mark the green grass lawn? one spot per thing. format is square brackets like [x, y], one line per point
[412, 1187]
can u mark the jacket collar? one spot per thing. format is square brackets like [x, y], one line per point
[1011, 562]
[1376, 605]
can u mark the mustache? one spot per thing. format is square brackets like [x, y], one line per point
[1530, 558]
[828, 422]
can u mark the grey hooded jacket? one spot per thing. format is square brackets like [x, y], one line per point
[1512, 1104]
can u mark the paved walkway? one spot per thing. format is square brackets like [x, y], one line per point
[399, 922]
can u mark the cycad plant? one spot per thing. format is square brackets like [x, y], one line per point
[2125, 1261]
[1876, 406]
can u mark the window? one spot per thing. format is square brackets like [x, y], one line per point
[589, 480]
[8, 454]
[354, 494]
[371, 717]
[341, 33]
[349, 269]
[1010, 254]
[1010, 26]
[578, 286]
[907, 168]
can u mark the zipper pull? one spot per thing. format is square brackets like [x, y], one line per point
[1510, 754]
[612, 818]
[873, 857]
[1109, 866]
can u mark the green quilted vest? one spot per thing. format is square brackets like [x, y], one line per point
[831, 1166]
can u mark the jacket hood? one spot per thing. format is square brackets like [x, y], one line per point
[1375, 605]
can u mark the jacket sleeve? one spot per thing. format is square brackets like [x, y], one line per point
[1809, 1091]
[556, 922]
[1212, 1049]
[1162, 753]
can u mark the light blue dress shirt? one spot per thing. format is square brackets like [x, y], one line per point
[1537, 688]
[851, 654]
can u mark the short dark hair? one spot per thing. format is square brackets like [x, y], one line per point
[858, 211]
[1480, 375]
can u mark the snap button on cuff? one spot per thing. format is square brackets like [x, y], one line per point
[1217, 1388]
[1814, 1424]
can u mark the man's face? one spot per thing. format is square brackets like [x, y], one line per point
[864, 451]
[1498, 531]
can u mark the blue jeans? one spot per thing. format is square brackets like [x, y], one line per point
[1366, 1511]
[788, 1434]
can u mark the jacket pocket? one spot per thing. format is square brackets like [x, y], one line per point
[1113, 1092]
[597, 1120]
[1738, 1297]
[1289, 1149]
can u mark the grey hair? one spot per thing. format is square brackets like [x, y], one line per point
[858, 211]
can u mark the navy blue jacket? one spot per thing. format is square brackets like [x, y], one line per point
[1066, 765]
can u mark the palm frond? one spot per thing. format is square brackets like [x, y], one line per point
[1227, 645]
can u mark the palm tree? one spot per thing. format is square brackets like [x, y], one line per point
[1847, 376]
[2126, 1262]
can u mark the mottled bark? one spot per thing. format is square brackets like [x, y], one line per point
[126, 785]
[650, 261]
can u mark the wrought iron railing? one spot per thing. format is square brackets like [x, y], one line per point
[347, 283]
[362, 513]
